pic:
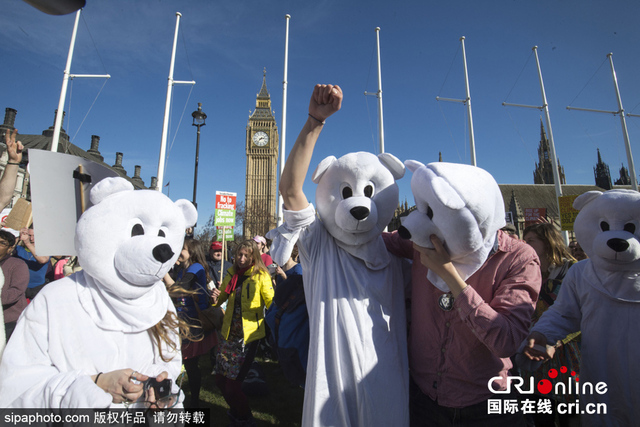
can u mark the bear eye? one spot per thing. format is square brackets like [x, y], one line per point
[347, 192]
[368, 191]
[429, 212]
[137, 230]
[604, 226]
[630, 228]
[161, 233]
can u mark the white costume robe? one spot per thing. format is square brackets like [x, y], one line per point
[605, 306]
[72, 330]
[358, 370]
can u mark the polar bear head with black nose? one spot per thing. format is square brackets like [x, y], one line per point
[128, 240]
[357, 195]
[608, 228]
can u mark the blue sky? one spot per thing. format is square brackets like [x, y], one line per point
[225, 45]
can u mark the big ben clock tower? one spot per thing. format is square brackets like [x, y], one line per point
[262, 162]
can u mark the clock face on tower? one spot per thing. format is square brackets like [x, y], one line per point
[260, 139]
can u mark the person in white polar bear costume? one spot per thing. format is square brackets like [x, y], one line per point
[90, 339]
[600, 296]
[357, 373]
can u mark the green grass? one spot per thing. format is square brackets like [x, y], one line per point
[281, 407]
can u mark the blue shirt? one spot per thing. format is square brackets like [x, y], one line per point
[37, 271]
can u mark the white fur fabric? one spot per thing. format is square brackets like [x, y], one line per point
[358, 369]
[460, 204]
[97, 320]
[57, 346]
[358, 366]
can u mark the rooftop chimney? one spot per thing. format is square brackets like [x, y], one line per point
[63, 133]
[154, 183]
[10, 117]
[95, 141]
[118, 166]
[137, 181]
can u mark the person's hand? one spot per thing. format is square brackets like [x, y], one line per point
[280, 272]
[537, 348]
[437, 259]
[24, 235]
[14, 148]
[325, 100]
[124, 385]
[215, 293]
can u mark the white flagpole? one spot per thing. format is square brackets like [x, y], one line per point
[472, 141]
[167, 107]
[378, 95]
[283, 132]
[65, 82]
[625, 132]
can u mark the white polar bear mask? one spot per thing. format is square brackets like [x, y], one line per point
[357, 195]
[608, 228]
[128, 240]
[460, 204]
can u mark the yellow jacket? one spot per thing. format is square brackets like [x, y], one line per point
[257, 293]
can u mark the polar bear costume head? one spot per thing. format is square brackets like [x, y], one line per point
[357, 195]
[128, 240]
[608, 229]
[460, 204]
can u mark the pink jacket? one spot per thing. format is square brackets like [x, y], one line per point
[453, 354]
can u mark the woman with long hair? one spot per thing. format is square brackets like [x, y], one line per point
[187, 285]
[248, 289]
[555, 261]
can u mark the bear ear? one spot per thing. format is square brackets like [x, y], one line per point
[585, 198]
[392, 163]
[413, 165]
[446, 194]
[322, 168]
[188, 211]
[107, 187]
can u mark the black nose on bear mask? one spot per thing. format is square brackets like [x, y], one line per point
[359, 212]
[404, 233]
[618, 245]
[162, 253]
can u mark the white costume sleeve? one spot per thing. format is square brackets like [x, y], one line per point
[560, 320]
[29, 378]
[285, 236]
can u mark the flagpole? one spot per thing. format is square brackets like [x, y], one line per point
[283, 132]
[65, 83]
[167, 107]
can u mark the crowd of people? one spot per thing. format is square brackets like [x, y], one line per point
[462, 341]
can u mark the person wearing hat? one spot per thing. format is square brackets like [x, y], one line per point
[216, 263]
[266, 258]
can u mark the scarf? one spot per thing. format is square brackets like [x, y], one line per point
[234, 280]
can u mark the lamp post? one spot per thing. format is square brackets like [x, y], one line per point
[198, 120]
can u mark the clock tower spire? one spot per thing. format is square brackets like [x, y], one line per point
[261, 146]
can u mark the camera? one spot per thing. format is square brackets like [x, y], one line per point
[160, 388]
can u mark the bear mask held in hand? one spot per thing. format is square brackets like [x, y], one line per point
[357, 195]
[128, 240]
[460, 204]
[608, 227]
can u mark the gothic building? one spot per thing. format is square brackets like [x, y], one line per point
[624, 177]
[602, 174]
[543, 174]
[261, 146]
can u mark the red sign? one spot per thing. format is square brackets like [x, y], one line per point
[225, 201]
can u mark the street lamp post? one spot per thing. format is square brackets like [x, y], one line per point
[198, 120]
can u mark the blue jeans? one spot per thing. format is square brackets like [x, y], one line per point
[424, 412]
